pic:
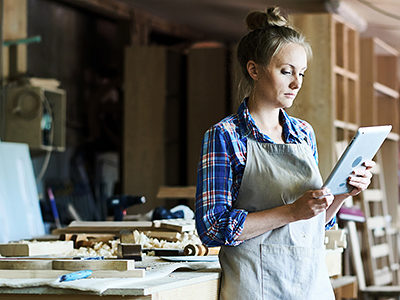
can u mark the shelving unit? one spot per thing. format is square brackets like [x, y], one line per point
[329, 99]
[380, 106]
[350, 82]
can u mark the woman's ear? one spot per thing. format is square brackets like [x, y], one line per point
[252, 69]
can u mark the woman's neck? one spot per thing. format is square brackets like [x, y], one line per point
[266, 118]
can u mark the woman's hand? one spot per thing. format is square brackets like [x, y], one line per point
[312, 203]
[361, 178]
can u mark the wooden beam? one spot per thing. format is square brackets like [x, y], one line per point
[109, 8]
[143, 22]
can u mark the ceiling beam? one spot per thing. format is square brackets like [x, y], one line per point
[143, 22]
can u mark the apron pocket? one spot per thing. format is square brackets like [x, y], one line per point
[288, 271]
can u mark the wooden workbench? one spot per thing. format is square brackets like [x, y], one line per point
[178, 285]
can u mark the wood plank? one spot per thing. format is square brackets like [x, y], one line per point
[383, 48]
[376, 222]
[107, 264]
[345, 73]
[24, 264]
[385, 90]
[22, 274]
[333, 260]
[144, 118]
[176, 192]
[130, 251]
[376, 169]
[36, 248]
[115, 9]
[180, 225]
[390, 162]
[103, 226]
[373, 195]
[367, 78]
[386, 65]
[112, 224]
[380, 250]
[164, 235]
[203, 290]
[356, 254]
[86, 237]
[200, 100]
[347, 284]
[383, 277]
[15, 22]
[120, 10]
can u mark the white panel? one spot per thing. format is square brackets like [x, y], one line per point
[20, 214]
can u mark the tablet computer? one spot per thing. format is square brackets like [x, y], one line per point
[362, 147]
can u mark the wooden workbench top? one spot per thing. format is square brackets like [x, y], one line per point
[201, 284]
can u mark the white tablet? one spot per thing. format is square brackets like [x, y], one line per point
[362, 147]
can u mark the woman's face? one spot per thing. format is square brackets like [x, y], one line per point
[279, 82]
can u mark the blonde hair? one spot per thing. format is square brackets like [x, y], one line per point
[269, 31]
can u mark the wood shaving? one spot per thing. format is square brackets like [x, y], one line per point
[108, 250]
[149, 243]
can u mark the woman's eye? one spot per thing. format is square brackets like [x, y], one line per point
[302, 75]
[284, 72]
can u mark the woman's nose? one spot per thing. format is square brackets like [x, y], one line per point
[296, 83]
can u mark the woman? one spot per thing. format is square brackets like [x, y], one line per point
[259, 189]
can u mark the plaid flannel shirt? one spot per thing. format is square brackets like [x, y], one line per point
[221, 167]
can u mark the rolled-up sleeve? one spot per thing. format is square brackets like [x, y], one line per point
[217, 222]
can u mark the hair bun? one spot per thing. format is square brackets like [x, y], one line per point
[261, 20]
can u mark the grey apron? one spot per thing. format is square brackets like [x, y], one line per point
[287, 262]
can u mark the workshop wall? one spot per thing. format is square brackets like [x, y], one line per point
[84, 51]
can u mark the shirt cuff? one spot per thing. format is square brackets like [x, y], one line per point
[330, 224]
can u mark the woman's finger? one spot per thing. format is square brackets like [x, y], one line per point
[364, 180]
[369, 164]
[362, 172]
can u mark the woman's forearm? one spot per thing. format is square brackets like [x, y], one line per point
[335, 206]
[310, 204]
[260, 222]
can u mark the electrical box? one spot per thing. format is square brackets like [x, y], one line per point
[36, 116]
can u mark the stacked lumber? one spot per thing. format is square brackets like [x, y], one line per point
[33, 259]
[54, 268]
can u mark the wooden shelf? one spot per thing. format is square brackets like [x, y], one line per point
[393, 137]
[381, 107]
[385, 90]
[345, 125]
[345, 73]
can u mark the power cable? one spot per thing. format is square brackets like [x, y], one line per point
[46, 161]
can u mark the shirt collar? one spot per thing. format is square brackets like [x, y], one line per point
[248, 127]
